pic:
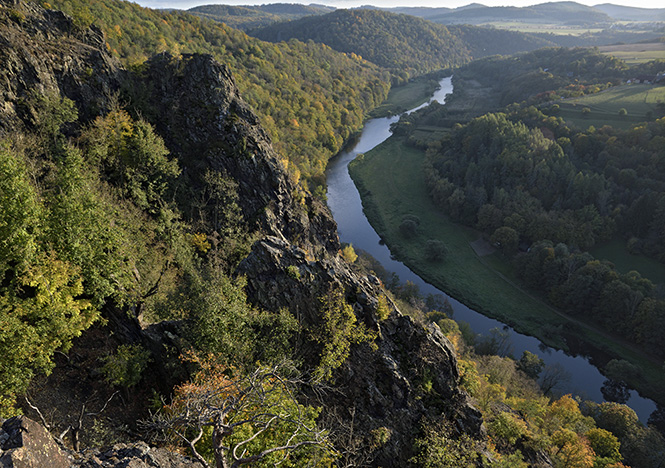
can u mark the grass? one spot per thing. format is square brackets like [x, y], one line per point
[634, 54]
[616, 252]
[405, 97]
[391, 182]
[637, 99]
[550, 28]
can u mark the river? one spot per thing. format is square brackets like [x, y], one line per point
[354, 228]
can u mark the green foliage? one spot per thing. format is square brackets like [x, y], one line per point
[531, 364]
[382, 308]
[505, 238]
[133, 157]
[409, 226]
[125, 367]
[604, 444]
[249, 17]
[338, 330]
[293, 272]
[51, 112]
[19, 214]
[308, 112]
[40, 312]
[407, 45]
[507, 427]
[435, 250]
[440, 447]
[220, 321]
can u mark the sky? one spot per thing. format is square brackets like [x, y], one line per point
[185, 4]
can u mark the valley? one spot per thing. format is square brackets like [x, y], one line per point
[172, 279]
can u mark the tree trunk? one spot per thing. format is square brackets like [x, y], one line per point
[218, 434]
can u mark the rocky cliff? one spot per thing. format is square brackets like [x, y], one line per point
[409, 377]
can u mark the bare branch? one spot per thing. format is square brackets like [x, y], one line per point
[41, 416]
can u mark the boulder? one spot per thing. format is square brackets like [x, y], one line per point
[26, 444]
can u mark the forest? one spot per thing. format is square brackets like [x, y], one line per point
[562, 195]
[406, 45]
[309, 98]
[545, 192]
[126, 221]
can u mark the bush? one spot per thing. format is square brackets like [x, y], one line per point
[408, 228]
[348, 254]
[126, 366]
[435, 250]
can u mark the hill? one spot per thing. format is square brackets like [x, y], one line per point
[254, 16]
[295, 88]
[565, 13]
[628, 13]
[405, 44]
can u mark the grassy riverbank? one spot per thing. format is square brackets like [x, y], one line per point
[391, 183]
[412, 94]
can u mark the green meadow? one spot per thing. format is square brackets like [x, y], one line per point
[616, 252]
[405, 97]
[639, 100]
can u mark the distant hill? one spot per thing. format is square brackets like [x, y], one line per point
[394, 41]
[619, 12]
[400, 42]
[254, 16]
[567, 13]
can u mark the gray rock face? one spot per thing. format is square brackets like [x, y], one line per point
[195, 105]
[41, 51]
[412, 375]
[26, 444]
[138, 455]
[198, 111]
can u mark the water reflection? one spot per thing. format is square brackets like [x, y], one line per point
[567, 374]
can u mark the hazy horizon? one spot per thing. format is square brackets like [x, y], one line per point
[186, 4]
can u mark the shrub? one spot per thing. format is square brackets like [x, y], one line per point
[126, 366]
[435, 250]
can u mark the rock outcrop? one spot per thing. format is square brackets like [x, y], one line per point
[26, 444]
[137, 455]
[41, 51]
[197, 109]
[412, 375]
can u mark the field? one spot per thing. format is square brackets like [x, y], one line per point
[636, 53]
[617, 253]
[542, 28]
[637, 99]
[391, 183]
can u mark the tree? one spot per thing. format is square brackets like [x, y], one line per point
[570, 450]
[530, 364]
[244, 419]
[441, 446]
[408, 227]
[435, 250]
[506, 239]
[604, 444]
[338, 330]
[349, 254]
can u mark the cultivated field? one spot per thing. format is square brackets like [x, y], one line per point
[636, 53]
[639, 100]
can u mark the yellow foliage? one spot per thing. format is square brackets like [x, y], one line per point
[382, 309]
[200, 241]
[349, 254]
